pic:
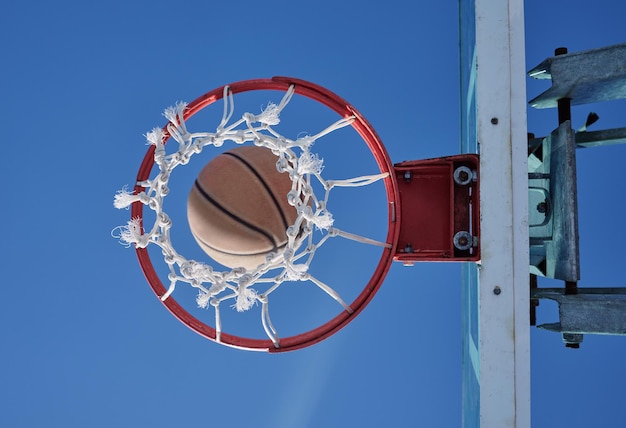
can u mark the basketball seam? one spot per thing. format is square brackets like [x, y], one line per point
[260, 253]
[265, 185]
[234, 216]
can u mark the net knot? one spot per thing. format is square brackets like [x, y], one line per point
[155, 137]
[323, 221]
[202, 300]
[269, 116]
[174, 114]
[217, 288]
[310, 163]
[246, 298]
[124, 198]
[296, 272]
[131, 234]
[196, 271]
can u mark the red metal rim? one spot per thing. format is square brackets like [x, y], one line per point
[367, 132]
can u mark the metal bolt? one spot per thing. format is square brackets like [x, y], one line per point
[462, 241]
[494, 120]
[497, 290]
[560, 51]
[542, 207]
[572, 340]
[462, 175]
[407, 176]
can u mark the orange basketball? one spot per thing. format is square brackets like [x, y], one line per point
[237, 208]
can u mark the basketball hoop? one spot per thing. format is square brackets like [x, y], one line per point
[302, 165]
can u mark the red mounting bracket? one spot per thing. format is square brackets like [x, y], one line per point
[440, 209]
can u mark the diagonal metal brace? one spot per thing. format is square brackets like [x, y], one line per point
[585, 77]
[590, 311]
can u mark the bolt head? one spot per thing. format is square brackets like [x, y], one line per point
[542, 207]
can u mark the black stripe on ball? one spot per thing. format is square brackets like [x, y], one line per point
[265, 185]
[236, 218]
[228, 253]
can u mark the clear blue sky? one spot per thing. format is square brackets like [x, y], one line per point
[84, 342]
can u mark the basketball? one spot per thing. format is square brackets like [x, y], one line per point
[237, 208]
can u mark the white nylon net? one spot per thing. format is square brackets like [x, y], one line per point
[243, 288]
